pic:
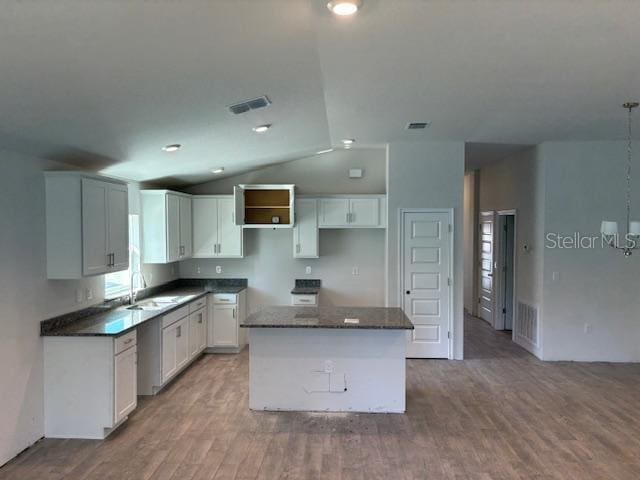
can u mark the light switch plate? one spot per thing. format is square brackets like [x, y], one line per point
[79, 296]
[218, 269]
[307, 270]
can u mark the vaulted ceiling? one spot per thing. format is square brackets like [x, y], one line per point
[106, 84]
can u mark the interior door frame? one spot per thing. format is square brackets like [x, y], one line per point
[450, 213]
[498, 321]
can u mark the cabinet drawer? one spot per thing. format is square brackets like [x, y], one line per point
[298, 299]
[197, 304]
[125, 341]
[225, 298]
[174, 316]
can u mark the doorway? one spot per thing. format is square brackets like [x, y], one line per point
[505, 268]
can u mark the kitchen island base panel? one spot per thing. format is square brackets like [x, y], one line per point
[331, 370]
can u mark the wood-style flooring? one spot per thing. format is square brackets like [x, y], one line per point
[499, 414]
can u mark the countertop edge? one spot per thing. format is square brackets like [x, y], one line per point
[153, 316]
[333, 327]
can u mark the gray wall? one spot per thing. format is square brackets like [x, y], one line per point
[269, 264]
[470, 213]
[518, 183]
[271, 269]
[426, 175]
[26, 298]
[585, 184]
[320, 174]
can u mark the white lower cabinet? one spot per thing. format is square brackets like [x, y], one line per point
[197, 332]
[167, 345]
[226, 312]
[126, 383]
[90, 384]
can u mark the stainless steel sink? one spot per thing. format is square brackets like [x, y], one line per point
[149, 306]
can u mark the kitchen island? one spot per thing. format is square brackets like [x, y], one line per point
[337, 359]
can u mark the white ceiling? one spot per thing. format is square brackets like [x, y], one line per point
[106, 84]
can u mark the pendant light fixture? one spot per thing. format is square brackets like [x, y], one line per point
[609, 229]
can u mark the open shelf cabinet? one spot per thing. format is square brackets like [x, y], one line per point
[264, 206]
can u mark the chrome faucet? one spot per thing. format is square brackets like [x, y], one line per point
[133, 293]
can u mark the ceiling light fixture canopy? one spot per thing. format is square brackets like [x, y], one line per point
[262, 128]
[174, 147]
[344, 8]
[609, 229]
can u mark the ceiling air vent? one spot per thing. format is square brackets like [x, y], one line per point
[253, 104]
[418, 125]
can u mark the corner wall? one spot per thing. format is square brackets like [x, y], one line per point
[26, 298]
[427, 175]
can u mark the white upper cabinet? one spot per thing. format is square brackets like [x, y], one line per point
[364, 211]
[215, 233]
[87, 225]
[305, 231]
[166, 226]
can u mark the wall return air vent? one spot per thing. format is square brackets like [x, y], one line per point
[246, 105]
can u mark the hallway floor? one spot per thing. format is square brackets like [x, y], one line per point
[499, 414]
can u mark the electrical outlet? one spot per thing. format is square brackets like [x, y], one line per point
[355, 271]
[198, 269]
[88, 293]
[218, 269]
[555, 276]
[307, 270]
[587, 328]
[79, 296]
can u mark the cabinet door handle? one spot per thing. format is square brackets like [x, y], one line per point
[234, 312]
[179, 331]
[219, 248]
[351, 217]
[127, 342]
[347, 217]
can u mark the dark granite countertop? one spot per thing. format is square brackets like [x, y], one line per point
[107, 321]
[329, 317]
[305, 291]
[306, 286]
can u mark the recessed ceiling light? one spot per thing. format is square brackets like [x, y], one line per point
[344, 8]
[262, 128]
[348, 141]
[320, 152]
[218, 170]
[174, 147]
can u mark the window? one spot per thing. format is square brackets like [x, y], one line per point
[117, 284]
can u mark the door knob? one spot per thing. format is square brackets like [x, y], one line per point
[408, 292]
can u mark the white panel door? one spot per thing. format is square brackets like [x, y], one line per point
[225, 326]
[205, 227]
[126, 383]
[305, 231]
[185, 228]
[173, 228]
[364, 212]
[229, 234]
[486, 293]
[118, 228]
[426, 277]
[95, 219]
[334, 212]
